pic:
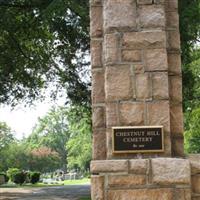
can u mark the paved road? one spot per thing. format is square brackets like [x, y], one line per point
[72, 192]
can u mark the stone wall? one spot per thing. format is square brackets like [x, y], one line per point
[136, 71]
[195, 172]
[146, 179]
[143, 179]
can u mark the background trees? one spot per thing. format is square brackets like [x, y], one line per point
[190, 40]
[45, 43]
[79, 145]
[52, 131]
[189, 11]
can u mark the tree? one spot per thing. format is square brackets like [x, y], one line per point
[189, 11]
[16, 155]
[6, 135]
[192, 136]
[43, 41]
[52, 131]
[79, 146]
[43, 159]
[6, 140]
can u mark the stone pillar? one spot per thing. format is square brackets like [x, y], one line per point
[136, 71]
[136, 81]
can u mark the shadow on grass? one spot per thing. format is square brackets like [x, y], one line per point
[30, 185]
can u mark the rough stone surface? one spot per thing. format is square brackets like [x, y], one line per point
[196, 198]
[141, 194]
[143, 86]
[96, 53]
[166, 171]
[159, 1]
[196, 183]
[173, 40]
[160, 85]
[156, 60]
[97, 192]
[138, 166]
[176, 119]
[152, 16]
[144, 2]
[175, 88]
[98, 117]
[109, 166]
[167, 145]
[156, 117]
[112, 114]
[126, 180]
[95, 2]
[99, 144]
[98, 94]
[145, 39]
[174, 62]
[178, 146]
[195, 163]
[136, 72]
[118, 83]
[138, 68]
[172, 19]
[131, 56]
[131, 113]
[111, 48]
[96, 22]
[120, 13]
[182, 194]
[172, 4]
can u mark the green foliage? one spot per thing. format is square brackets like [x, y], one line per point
[79, 144]
[6, 135]
[43, 41]
[52, 131]
[5, 176]
[189, 11]
[19, 177]
[16, 155]
[34, 177]
[43, 159]
[12, 171]
[192, 136]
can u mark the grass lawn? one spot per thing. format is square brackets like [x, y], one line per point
[76, 182]
[39, 185]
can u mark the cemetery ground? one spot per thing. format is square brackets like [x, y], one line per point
[73, 191]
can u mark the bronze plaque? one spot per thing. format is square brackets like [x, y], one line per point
[142, 139]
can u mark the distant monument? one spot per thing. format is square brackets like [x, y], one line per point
[137, 102]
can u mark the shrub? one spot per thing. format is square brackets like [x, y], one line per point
[17, 176]
[34, 177]
[11, 171]
[5, 176]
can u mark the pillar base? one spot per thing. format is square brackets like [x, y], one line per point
[146, 179]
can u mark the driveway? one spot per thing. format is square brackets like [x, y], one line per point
[71, 192]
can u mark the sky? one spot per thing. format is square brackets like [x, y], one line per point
[22, 119]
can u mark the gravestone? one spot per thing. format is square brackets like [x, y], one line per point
[137, 101]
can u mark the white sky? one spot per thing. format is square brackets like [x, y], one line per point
[22, 120]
